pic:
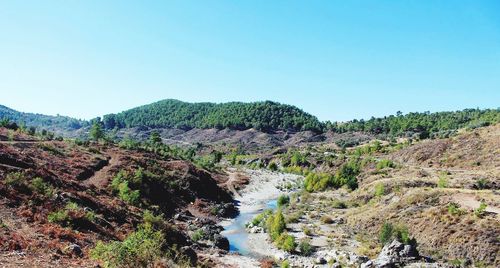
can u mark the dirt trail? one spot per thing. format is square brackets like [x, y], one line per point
[469, 201]
[101, 177]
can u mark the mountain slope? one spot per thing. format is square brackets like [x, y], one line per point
[52, 123]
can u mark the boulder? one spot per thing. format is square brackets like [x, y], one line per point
[320, 260]
[395, 254]
[221, 242]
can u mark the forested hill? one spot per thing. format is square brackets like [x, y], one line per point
[234, 115]
[425, 124]
[42, 121]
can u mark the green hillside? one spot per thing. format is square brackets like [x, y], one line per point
[234, 115]
[40, 120]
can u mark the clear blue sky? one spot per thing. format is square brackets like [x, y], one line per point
[335, 59]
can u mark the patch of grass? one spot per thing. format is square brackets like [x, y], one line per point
[339, 204]
[454, 209]
[481, 211]
[15, 179]
[197, 235]
[51, 149]
[39, 186]
[385, 163]
[60, 217]
[443, 181]
[140, 249]
[379, 189]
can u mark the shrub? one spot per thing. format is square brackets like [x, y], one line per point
[326, 219]
[339, 204]
[39, 186]
[60, 217]
[275, 225]
[385, 163]
[286, 242]
[283, 200]
[120, 185]
[307, 231]
[400, 233]
[273, 166]
[197, 235]
[454, 209]
[379, 189]
[285, 264]
[386, 233]
[479, 212]
[140, 249]
[482, 183]
[259, 219]
[443, 181]
[15, 179]
[305, 248]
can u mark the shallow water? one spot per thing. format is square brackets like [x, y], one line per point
[236, 233]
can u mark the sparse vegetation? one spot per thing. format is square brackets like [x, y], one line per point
[388, 232]
[379, 189]
[140, 249]
[15, 179]
[385, 163]
[454, 209]
[481, 210]
[305, 247]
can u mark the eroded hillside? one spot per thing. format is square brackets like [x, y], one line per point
[59, 199]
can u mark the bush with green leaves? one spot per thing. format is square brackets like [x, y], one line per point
[120, 185]
[388, 232]
[275, 224]
[197, 235]
[454, 209]
[283, 200]
[443, 180]
[385, 163]
[305, 247]
[286, 242]
[273, 166]
[379, 189]
[60, 217]
[37, 185]
[481, 210]
[15, 179]
[260, 219]
[140, 249]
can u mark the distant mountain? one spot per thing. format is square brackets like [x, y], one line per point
[59, 123]
[265, 116]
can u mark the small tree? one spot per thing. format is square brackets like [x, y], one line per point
[155, 137]
[96, 131]
[386, 233]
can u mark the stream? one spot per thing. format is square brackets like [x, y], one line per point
[236, 233]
